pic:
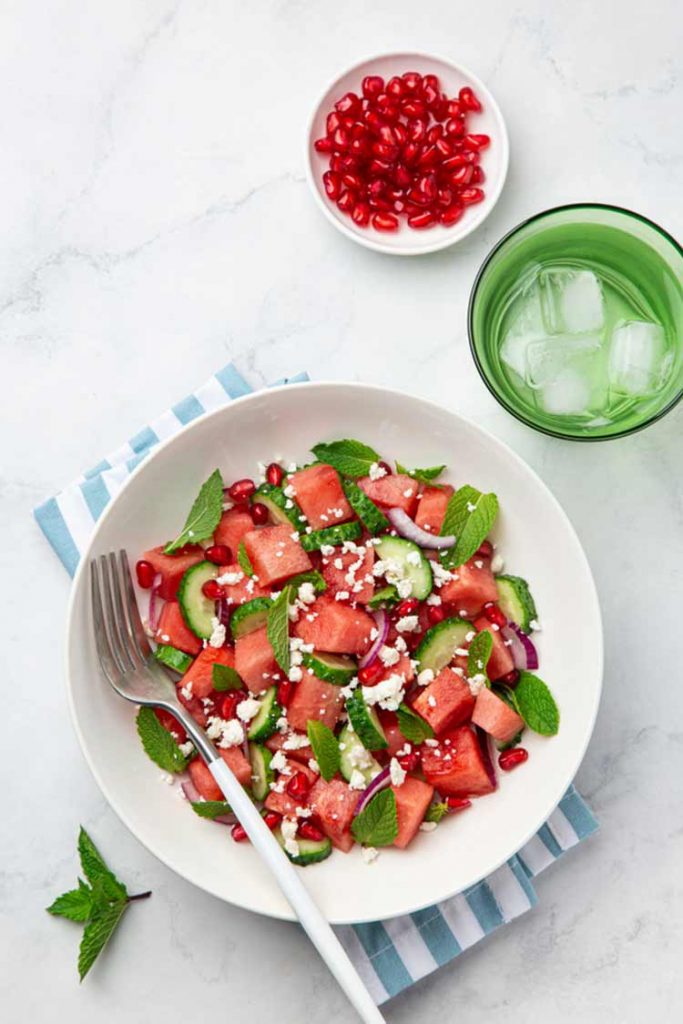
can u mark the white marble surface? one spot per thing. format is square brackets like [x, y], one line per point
[155, 223]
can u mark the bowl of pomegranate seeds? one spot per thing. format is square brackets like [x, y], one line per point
[407, 153]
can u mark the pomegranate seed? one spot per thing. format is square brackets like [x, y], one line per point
[461, 176]
[385, 152]
[371, 673]
[413, 641]
[431, 96]
[468, 100]
[353, 181]
[332, 185]
[509, 759]
[400, 134]
[468, 196]
[495, 615]
[298, 786]
[455, 161]
[387, 108]
[332, 122]
[428, 157]
[409, 762]
[510, 678]
[411, 108]
[379, 168]
[453, 108]
[455, 128]
[427, 185]
[407, 607]
[323, 146]
[431, 82]
[272, 819]
[259, 513]
[476, 141]
[348, 104]
[451, 215]
[307, 830]
[380, 203]
[435, 613]
[387, 135]
[445, 197]
[241, 490]
[386, 467]
[377, 187]
[385, 222]
[443, 148]
[145, 573]
[212, 590]
[424, 219]
[274, 474]
[374, 121]
[413, 80]
[359, 148]
[402, 176]
[418, 197]
[417, 130]
[360, 214]
[396, 88]
[285, 691]
[219, 554]
[230, 702]
[410, 153]
[340, 140]
[458, 803]
[477, 175]
[238, 833]
[372, 86]
[485, 551]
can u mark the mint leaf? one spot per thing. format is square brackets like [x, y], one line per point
[244, 561]
[277, 628]
[457, 511]
[479, 653]
[204, 515]
[386, 596]
[325, 748]
[76, 905]
[95, 869]
[225, 678]
[97, 933]
[377, 824]
[480, 516]
[313, 577]
[348, 457]
[211, 808]
[413, 726]
[435, 812]
[423, 476]
[536, 704]
[158, 743]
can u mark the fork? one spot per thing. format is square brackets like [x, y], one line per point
[128, 664]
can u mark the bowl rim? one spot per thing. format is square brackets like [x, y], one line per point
[369, 241]
[82, 570]
[548, 431]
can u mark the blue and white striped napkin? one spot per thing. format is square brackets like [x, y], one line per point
[389, 955]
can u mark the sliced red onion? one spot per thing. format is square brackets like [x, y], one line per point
[191, 792]
[382, 623]
[485, 747]
[524, 654]
[407, 528]
[379, 783]
[245, 743]
[224, 612]
[152, 613]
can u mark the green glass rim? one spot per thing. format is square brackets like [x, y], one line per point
[470, 323]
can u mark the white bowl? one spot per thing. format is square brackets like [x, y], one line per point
[537, 541]
[408, 241]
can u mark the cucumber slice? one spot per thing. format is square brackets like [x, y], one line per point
[197, 610]
[365, 722]
[366, 510]
[416, 569]
[515, 600]
[171, 657]
[313, 577]
[334, 535]
[278, 504]
[331, 668]
[250, 616]
[261, 773]
[264, 724]
[384, 598]
[355, 757]
[440, 643]
[311, 851]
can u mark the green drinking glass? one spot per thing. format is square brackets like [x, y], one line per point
[576, 322]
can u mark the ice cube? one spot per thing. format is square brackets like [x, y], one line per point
[546, 360]
[638, 361]
[569, 394]
[525, 325]
[571, 301]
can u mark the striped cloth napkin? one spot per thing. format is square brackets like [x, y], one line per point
[389, 955]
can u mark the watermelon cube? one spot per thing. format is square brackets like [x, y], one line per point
[238, 764]
[471, 588]
[320, 496]
[173, 567]
[314, 700]
[232, 528]
[456, 767]
[333, 804]
[203, 780]
[394, 736]
[431, 508]
[200, 708]
[254, 660]
[277, 741]
[168, 721]
[495, 717]
[403, 667]
[241, 587]
[360, 584]
[445, 702]
[500, 662]
[335, 627]
[413, 798]
[275, 554]
[283, 803]
[200, 672]
[395, 491]
[172, 630]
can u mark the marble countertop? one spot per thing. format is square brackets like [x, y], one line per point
[155, 224]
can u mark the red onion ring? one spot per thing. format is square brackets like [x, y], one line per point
[379, 783]
[152, 614]
[409, 529]
[524, 654]
[382, 622]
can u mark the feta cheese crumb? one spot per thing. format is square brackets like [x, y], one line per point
[229, 579]
[476, 683]
[431, 743]
[357, 780]
[327, 550]
[427, 826]
[186, 749]
[534, 626]
[313, 765]
[186, 690]
[408, 624]
[289, 829]
[278, 761]
[369, 854]
[248, 709]
[217, 638]
[397, 774]
[376, 472]
[425, 677]
[388, 656]
[388, 693]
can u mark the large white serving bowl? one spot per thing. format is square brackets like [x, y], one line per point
[537, 541]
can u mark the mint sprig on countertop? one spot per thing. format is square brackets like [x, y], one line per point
[98, 903]
[204, 515]
[158, 743]
[423, 476]
[348, 457]
[377, 824]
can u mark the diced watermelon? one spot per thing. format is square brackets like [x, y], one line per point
[203, 780]
[172, 630]
[403, 667]
[361, 586]
[173, 567]
[232, 528]
[238, 764]
[168, 721]
[274, 554]
[395, 737]
[413, 798]
[456, 766]
[320, 496]
[254, 660]
[395, 491]
[431, 508]
[335, 627]
[500, 662]
[333, 803]
[314, 700]
[445, 702]
[277, 741]
[283, 803]
[470, 589]
[495, 717]
[200, 672]
[200, 709]
[245, 589]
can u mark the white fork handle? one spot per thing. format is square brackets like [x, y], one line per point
[317, 927]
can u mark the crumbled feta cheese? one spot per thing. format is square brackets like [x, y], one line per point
[228, 734]
[217, 638]
[425, 677]
[338, 563]
[440, 574]
[289, 829]
[388, 693]
[229, 579]
[295, 675]
[248, 709]
[397, 774]
[327, 550]
[434, 599]
[376, 472]
[427, 826]
[168, 779]
[408, 493]
[165, 638]
[186, 690]
[431, 742]
[289, 491]
[388, 656]
[186, 749]
[313, 765]
[413, 558]
[357, 780]
[342, 595]
[476, 683]
[470, 506]
[431, 700]
[278, 761]
[461, 652]
[369, 854]
[408, 624]
[404, 588]
[534, 626]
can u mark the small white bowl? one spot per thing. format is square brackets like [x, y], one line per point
[408, 241]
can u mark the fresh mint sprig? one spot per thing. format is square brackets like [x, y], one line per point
[535, 703]
[225, 678]
[244, 560]
[469, 516]
[423, 476]
[277, 628]
[348, 457]
[413, 726]
[325, 748]
[204, 515]
[158, 743]
[479, 653]
[377, 824]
